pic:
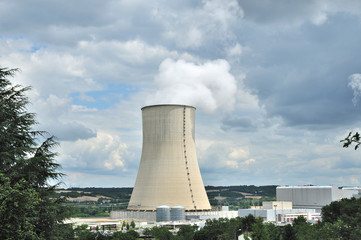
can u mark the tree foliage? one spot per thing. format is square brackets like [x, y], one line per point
[187, 232]
[352, 138]
[345, 214]
[212, 229]
[130, 235]
[132, 224]
[27, 206]
[162, 233]
[17, 208]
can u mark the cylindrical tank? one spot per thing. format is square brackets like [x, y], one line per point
[177, 213]
[168, 172]
[163, 213]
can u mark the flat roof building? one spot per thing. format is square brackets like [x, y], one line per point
[313, 196]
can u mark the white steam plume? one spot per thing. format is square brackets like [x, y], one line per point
[208, 86]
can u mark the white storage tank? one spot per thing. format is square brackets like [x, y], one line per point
[177, 213]
[163, 213]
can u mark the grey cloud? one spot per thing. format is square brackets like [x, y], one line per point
[268, 11]
[83, 13]
[293, 12]
[27, 17]
[238, 123]
[349, 165]
[71, 131]
[303, 77]
[59, 23]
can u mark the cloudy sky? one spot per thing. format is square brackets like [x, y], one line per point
[276, 84]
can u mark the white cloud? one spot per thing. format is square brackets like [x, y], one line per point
[319, 19]
[355, 84]
[193, 38]
[355, 180]
[235, 51]
[100, 153]
[221, 11]
[194, 28]
[133, 51]
[239, 158]
[115, 159]
[249, 161]
[56, 115]
[80, 108]
[239, 153]
[243, 164]
[209, 86]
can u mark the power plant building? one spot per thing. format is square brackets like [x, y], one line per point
[314, 197]
[308, 196]
[168, 172]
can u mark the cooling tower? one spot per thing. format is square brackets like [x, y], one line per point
[168, 172]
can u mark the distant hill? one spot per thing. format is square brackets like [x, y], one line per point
[93, 201]
[242, 196]
[113, 193]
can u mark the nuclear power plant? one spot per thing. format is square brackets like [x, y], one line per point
[168, 172]
[169, 188]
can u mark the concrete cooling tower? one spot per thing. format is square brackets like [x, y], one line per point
[168, 173]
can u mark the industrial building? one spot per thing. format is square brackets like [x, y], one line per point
[280, 205]
[349, 192]
[168, 172]
[152, 215]
[311, 217]
[313, 197]
[271, 215]
[278, 211]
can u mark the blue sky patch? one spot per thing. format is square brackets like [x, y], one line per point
[104, 98]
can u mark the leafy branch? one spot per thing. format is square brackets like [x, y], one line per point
[355, 138]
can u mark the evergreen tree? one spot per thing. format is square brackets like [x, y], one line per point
[162, 233]
[187, 231]
[27, 205]
[148, 233]
[132, 224]
[288, 233]
[259, 231]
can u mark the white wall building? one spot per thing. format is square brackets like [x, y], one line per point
[314, 197]
[308, 196]
[349, 192]
[310, 217]
[269, 215]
